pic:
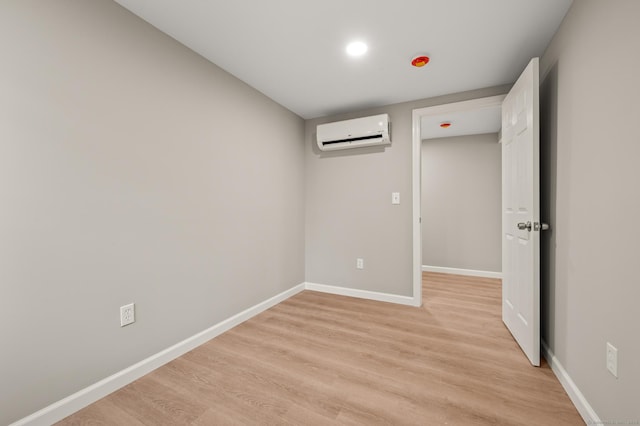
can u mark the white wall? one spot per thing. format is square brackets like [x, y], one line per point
[461, 200]
[590, 196]
[131, 170]
[348, 204]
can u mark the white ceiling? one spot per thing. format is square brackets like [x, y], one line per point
[294, 51]
[472, 122]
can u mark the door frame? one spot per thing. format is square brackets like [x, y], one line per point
[416, 171]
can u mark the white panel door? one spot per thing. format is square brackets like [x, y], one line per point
[521, 212]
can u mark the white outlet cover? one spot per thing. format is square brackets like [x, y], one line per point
[612, 359]
[127, 314]
[395, 198]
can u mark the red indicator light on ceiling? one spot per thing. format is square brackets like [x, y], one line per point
[420, 61]
[445, 125]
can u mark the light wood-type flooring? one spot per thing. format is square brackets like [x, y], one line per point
[326, 359]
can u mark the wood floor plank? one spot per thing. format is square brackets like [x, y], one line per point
[106, 413]
[319, 359]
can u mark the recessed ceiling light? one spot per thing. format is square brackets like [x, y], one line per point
[356, 48]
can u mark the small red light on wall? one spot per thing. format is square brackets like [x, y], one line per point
[420, 61]
[445, 125]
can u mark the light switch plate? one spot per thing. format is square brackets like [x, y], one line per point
[395, 198]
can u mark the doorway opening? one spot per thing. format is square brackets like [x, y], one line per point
[475, 114]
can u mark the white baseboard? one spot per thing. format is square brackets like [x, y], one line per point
[362, 294]
[69, 405]
[582, 405]
[457, 271]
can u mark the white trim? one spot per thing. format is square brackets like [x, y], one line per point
[416, 196]
[69, 405]
[458, 271]
[362, 294]
[416, 158]
[582, 405]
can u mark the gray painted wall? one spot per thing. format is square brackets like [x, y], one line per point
[348, 204]
[130, 171]
[461, 199]
[124, 177]
[590, 175]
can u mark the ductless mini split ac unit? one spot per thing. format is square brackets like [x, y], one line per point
[356, 133]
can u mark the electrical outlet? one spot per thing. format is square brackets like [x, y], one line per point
[127, 314]
[360, 263]
[612, 359]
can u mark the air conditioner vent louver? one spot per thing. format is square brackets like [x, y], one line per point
[356, 133]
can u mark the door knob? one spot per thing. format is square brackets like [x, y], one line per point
[522, 226]
[536, 226]
[540, 226]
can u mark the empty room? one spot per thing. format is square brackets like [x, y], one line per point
[418, 212]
